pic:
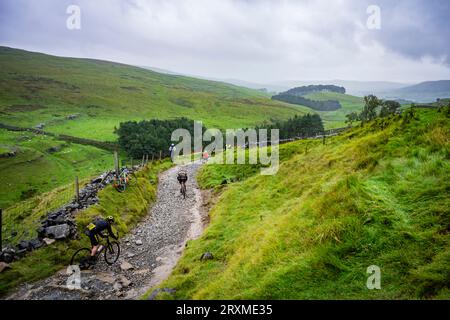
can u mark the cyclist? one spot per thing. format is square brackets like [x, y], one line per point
[172, 151]
[205, 157]
[95, 229]
[182, 178]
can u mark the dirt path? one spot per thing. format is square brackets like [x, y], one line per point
[149, 252]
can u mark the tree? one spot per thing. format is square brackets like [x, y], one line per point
[351, 117]
[389, 107]
[369, 112]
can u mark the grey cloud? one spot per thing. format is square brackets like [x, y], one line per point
[253, 40]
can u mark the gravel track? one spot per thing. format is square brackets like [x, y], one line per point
[149, 251]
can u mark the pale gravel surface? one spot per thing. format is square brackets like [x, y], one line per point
[163, 232]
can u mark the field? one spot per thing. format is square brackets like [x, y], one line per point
[336, 119]
[43, 163]
[376, 195]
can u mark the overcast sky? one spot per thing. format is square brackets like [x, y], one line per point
[254, 40]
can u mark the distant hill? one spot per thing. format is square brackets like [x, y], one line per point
[297, 96]
[427, 91]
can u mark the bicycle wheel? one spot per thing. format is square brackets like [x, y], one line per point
[112, 252]
[81, 258]
[183, 191]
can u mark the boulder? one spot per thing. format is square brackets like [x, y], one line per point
[36, 244]
[48, 241]
[58, 232]
[126, 266]
[3, 266]
[41, 232]
[24, 245]
[7, 255]
[207, 256]
[124, 281]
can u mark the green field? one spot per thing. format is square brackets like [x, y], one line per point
[376, 195]
[37, 88]
[43, 163]
[336, 119]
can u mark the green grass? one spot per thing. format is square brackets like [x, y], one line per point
[36, 169]
[377, 195]
[127, 208]
[38, 88]
[336, 119]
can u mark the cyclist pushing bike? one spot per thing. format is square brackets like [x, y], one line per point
[95, 229]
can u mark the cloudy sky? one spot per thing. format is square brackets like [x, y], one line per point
[255, 40]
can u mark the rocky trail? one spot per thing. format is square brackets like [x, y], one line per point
[148, 253]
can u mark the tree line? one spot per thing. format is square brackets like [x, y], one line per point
[328, 105]
[374, 108]
[149, 137]
[305, 126]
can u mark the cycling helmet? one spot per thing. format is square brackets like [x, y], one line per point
[110, 219]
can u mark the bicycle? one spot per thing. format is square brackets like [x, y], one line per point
[111, 254]
[182, 179]
[123, 180]
[183, 189]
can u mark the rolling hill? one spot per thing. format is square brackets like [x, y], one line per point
[336, 118]
[88, 98]
[427, 91]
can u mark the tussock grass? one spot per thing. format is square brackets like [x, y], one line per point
[376, 195]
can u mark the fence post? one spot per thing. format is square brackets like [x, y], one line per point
[116, 163]
[142, 163]
[77, 190]
[160, 155]
[1, 230]
[323, 141]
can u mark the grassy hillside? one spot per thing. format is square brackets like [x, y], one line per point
[42, 163]
[336, 119]
[377, 195]
[37, 88]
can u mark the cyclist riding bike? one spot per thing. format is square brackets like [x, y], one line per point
[96, 229]
[182, 179]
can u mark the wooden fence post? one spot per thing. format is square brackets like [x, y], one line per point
[1, 229]
[160, 155]
[153, 157]
[142, 163]
[116, 163]
[77, 190]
